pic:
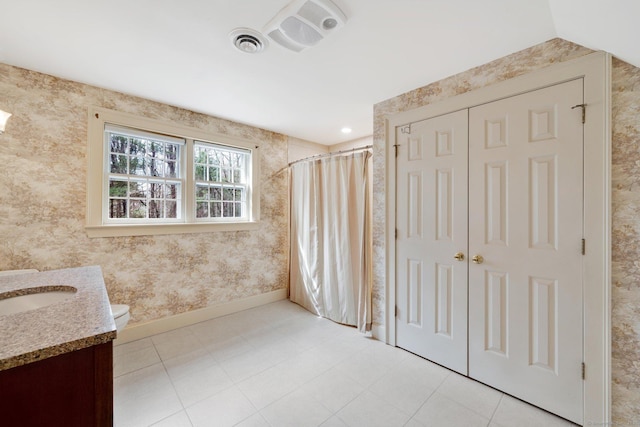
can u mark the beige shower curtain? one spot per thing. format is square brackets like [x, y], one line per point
[331, 238]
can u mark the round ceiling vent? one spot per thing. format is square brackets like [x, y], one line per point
[247, 40]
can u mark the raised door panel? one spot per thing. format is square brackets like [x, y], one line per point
[496, 312]
[496, 203]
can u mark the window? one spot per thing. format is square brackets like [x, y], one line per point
[151, 177]
[144, 175]
[221, 181]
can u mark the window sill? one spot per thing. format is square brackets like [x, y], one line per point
[117, 230]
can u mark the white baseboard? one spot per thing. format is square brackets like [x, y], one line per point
[143, 330]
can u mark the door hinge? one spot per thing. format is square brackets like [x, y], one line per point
[397, 148]
[396, 233]
[396, 312]
[584, 111]
[584, 370]
[584, 247]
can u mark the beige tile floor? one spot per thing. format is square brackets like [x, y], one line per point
[279, 365]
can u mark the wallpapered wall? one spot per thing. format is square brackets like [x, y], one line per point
[625, 197]
[43, 175]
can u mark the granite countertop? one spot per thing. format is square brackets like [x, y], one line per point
[82, 320]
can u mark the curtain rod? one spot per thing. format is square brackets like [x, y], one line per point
[335, 153]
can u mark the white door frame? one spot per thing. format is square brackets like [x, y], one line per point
[595, 69]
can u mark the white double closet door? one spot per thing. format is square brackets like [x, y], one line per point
[489, 245]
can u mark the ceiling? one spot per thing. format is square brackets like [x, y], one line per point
[178, 51]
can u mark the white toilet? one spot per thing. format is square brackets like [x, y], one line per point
[120, 311]
[120, 315]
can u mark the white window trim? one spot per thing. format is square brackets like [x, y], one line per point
[96, 227]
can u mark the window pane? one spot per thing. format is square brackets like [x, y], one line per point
[137, 209]
[156, 167]
[214, 157]
[216, 193]
[171, 169]
[216, 209]
[227, 194]
[202, 210]
[202, 192]
[157, 190]
[227, 209]
[117, 208]
[237, 176]
[238, 209]
[200, 172]
[214, 174]
[226, 175]
[138, 189]
[237, 159]
[238, 194]
[171, 209]
[118, 144]
[156, 149]
[171, 152]
[225, 158]
[136, 147]
[156, 209]
[171, 191]
[118, 163]
[138, 166]
[117, 188]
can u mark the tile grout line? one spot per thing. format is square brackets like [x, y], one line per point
[496, 409]
[173, 386]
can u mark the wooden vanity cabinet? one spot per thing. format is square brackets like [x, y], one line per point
[71, 389]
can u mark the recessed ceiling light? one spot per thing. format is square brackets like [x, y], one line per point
[346, 130]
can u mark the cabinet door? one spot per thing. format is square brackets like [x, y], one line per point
[431, 229]
[526, 221]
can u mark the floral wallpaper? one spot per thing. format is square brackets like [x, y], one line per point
[625, 242]
[625, 197]
[43, 176]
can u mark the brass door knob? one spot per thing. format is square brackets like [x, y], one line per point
[459, 256]
[477, 259]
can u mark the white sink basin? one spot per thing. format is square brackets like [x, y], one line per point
[34, 298]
